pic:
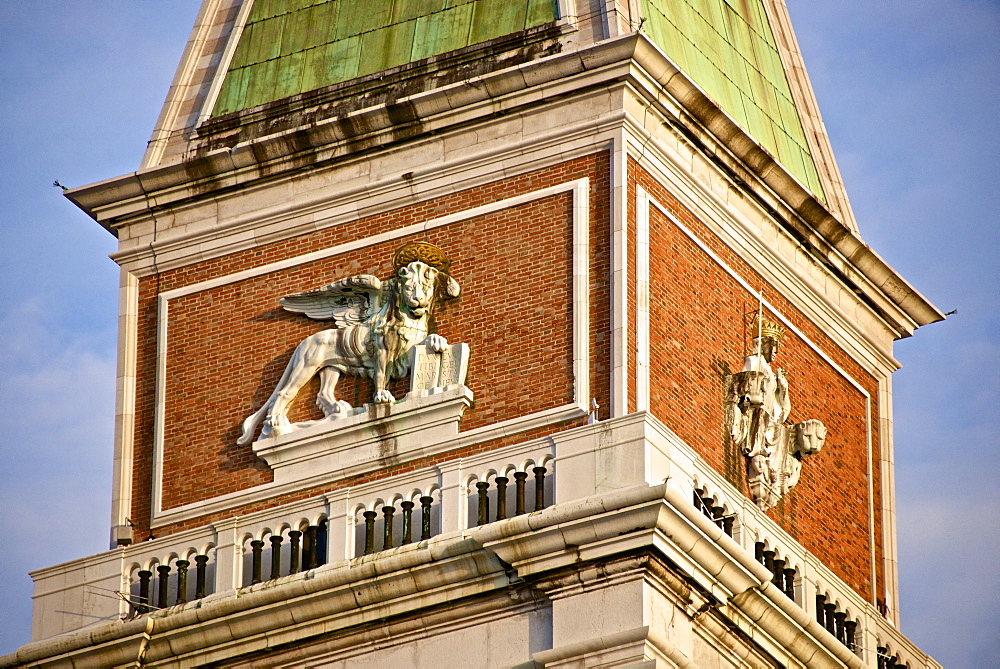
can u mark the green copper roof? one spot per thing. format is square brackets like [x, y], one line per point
[294, 46]
[728, 49]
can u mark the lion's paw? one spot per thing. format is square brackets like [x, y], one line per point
[384, 397]
[333, 409]
[275, 425]
[437, 343]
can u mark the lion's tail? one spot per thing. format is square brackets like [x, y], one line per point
[252, 421]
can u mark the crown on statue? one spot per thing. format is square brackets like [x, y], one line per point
[766, 327]
[424, 252]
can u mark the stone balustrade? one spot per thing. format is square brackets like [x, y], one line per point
[453, 497]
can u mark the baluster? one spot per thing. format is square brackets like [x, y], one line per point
[387, 512]
[322, 541]
[758, 551]
[370, 517]
[706, 504]
[778, 572]
[697, 499]
[539, 473]
[882, 653]
[200, 574]
[164, 583]
[831, 622]
[839, 618]
[275, 540]
[425, 517]
[501, 482]
[182, 580]
[727, 525]
[769, 560]
[144, 577]
[850, 628]
[407, 522]
[293, 556]
[717, 514]
[790, 583]
[309, 548]
[519, 479]
[484, 502]
[821, 610]
[256, 547]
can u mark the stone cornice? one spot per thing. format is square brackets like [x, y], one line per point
[138, 196]
[526, 551]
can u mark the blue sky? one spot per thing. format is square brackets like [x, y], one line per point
[909, 93]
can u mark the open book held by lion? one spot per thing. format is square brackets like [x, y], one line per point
[376, 324]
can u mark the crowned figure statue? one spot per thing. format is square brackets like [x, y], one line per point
[757, 408]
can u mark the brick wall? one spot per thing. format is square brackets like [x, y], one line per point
[227, 346]
[696, 333]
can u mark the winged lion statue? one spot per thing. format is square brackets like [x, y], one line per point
[376, 324]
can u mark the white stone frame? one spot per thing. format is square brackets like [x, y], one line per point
[125, 384]
[643, 203]
[619, 277]
[579, 188]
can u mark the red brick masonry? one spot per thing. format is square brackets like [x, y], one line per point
[696, 331]
[227, 346]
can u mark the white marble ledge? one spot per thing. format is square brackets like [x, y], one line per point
[370, 437]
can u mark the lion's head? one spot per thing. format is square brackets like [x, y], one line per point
[421, 269]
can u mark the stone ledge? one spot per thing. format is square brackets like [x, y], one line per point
[368, 438]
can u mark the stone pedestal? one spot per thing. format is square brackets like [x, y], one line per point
[368, 438]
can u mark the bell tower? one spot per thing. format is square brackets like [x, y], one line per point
[498, 332]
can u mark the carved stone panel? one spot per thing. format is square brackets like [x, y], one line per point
[432, 369]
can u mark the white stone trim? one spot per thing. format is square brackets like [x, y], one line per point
[766, 250]
[757, 295]
[223, 68]
[815, 348]
[162, 316]
[268, 490]
[887, 470]
[181, 86]
[600, 504]
[281, 216]
[619, 277]
[567, 12]
[580, 191]
[128, 329]
[389, 235]
[871, 500]
[753, 245]
[581, 294]
[601, 66]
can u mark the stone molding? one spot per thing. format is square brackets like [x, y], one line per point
[528, 553]
[605, 506]
[369, 438]
[642, 62]
[579, 190]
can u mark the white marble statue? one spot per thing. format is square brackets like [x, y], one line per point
[757, 406]
[376, 324]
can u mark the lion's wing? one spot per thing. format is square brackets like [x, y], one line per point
[346, 302]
